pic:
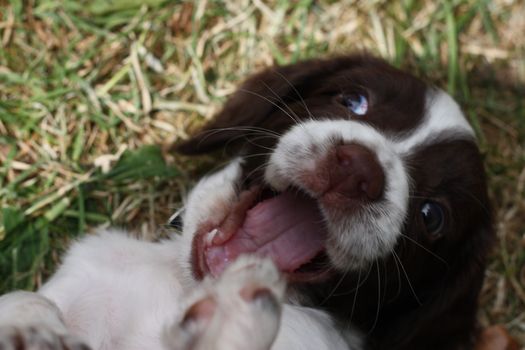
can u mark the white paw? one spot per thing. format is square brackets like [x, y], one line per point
[37, 338]
[241, 310]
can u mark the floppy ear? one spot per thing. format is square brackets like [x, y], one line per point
[258, 97]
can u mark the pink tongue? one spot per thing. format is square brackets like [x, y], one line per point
[287, 228]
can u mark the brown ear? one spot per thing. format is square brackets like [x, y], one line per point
[257, 98]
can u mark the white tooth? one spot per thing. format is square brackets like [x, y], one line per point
[210, 236]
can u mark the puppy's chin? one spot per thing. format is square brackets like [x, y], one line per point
[355, 248]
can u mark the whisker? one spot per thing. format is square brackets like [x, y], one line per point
[358, 284]
[378, 300]
[253, 155]
[385, 278]
[280, 99]
[398, 279]
[254, 130]
[355, 295]
[477, 200]
[253, 139]
[246, 128]
[334, 289]
[249, 140]
[256, 169]
[296, 92]
[425, 249]
[272, 102]
[406, 276]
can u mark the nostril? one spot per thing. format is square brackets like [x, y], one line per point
[357, 173]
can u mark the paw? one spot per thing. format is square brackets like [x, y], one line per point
[240, 310]
[37, 338]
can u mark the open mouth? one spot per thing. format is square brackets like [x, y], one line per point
[287, 227]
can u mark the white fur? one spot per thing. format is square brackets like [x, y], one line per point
[443, 117]
[118, 293]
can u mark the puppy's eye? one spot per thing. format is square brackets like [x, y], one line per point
[433, 217]
[356, 103]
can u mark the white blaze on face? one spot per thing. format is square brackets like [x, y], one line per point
[443, 117]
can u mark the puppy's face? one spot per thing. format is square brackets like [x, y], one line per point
[344, 164]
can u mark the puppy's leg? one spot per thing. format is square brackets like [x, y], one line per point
[31, 321]
[239, 311]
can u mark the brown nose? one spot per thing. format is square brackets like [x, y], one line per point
[356, 173]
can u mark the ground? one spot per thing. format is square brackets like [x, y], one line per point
[93, 94]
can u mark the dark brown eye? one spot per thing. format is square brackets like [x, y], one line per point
[356, 103]
[433, 217]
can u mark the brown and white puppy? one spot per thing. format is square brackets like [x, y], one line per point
[365, 186]
[359, 184]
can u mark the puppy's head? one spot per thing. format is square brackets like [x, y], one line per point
[348, 166]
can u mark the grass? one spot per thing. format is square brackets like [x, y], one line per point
[94, 93]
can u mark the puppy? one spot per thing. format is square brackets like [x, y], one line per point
[357, 185]
[371, 198]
